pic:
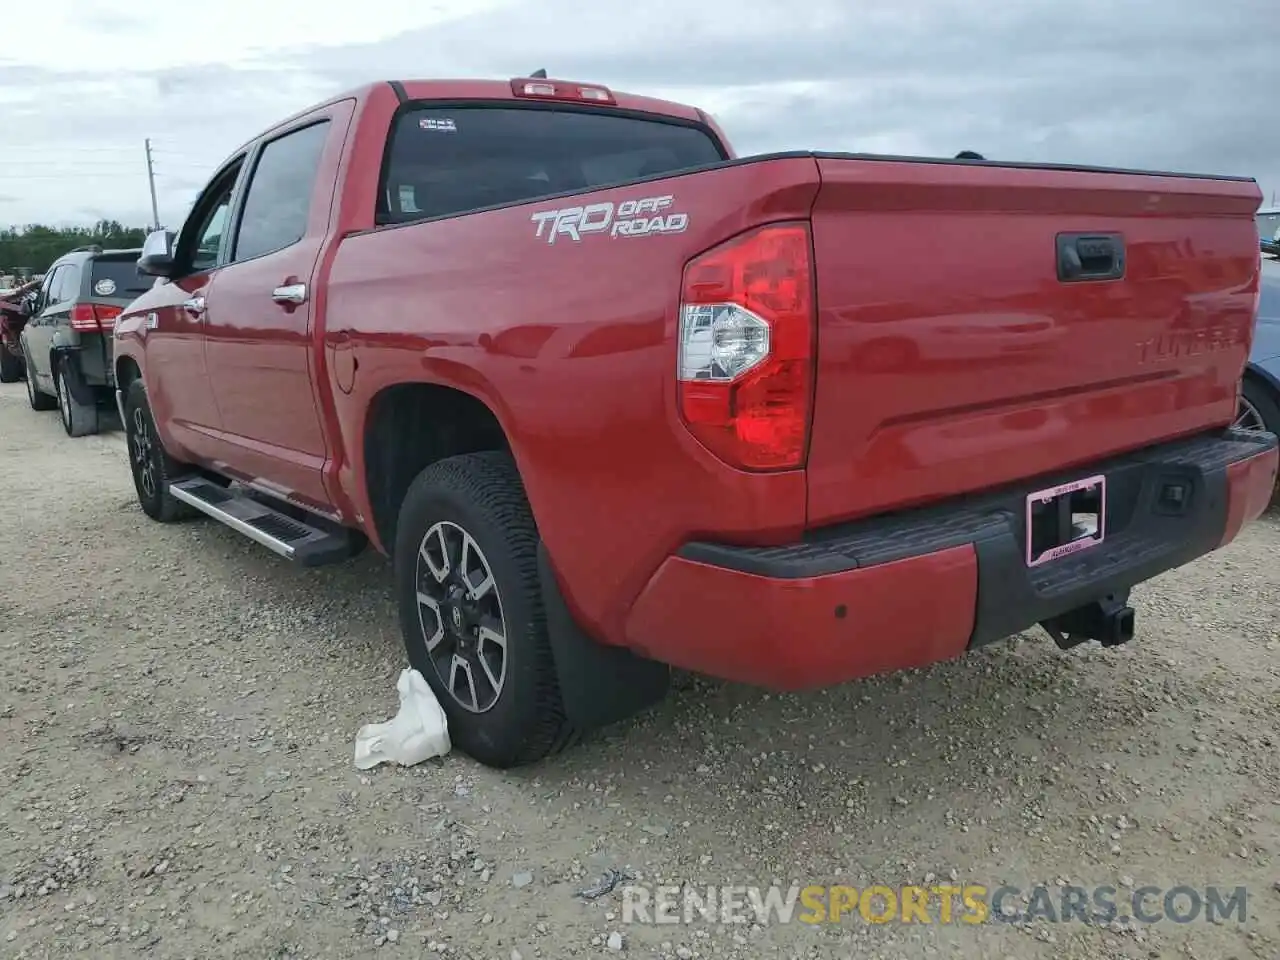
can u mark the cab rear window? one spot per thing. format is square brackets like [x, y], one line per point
[449, 160]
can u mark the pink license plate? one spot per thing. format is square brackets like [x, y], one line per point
[1066, 519]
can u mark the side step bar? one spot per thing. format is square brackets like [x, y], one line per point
[280, 533]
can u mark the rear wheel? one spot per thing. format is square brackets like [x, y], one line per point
[152, 468]
[471, 610]
[78, 419]
[1258, 408]
[10, 366]
[37, 399]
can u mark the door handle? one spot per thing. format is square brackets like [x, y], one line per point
[1090, 256]
[194, 306]
[290, 293]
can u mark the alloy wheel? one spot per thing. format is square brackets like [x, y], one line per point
[143, 449]
[1248, 417]
[460, 612]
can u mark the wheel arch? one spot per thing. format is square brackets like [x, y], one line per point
[1265, 374]
[127, 370]
[394, 446]
[1267, 382]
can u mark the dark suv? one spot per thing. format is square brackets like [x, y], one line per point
[66, 343]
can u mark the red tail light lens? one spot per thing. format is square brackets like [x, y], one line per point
[83, 318]
[747, 325]
[93, 317]
[560, 90]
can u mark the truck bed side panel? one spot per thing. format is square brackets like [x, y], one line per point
[572, 345]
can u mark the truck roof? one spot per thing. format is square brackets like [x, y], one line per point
[473, 89]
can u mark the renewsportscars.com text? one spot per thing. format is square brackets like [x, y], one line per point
[936, 904]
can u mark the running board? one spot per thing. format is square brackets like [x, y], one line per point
[280, 533]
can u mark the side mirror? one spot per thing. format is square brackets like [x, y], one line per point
[157, 254]
[29, 305]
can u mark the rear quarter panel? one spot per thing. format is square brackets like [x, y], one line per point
[572, 346]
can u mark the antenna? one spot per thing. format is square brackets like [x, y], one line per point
[539, 74]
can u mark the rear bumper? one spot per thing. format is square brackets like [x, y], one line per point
[908, 589]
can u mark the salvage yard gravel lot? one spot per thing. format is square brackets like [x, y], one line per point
[178, 708]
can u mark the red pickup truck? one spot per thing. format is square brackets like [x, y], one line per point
[614, 399]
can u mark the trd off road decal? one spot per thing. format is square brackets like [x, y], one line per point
[631, 218]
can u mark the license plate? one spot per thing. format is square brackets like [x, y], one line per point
[1066, 519]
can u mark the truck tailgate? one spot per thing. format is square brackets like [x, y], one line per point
[980, 324]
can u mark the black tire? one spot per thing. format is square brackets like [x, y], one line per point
[39, 401]
[11, 366]
[1264, 403]
[481, 495]
[151, 466]
[78, 419]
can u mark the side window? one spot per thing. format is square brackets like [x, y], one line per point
[279, 199]
[200, 240]
[68, 285]
[209, 239]
[51, 280]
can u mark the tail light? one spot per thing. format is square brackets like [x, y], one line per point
[93, 317]
[747, 324]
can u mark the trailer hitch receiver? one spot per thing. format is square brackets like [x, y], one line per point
[1110, 621]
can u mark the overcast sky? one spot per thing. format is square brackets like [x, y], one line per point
[1177, 85]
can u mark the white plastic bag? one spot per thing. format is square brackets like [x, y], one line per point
[418, 732]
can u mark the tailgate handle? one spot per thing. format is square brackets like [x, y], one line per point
[1090, 256]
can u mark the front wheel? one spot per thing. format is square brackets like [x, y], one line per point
[78, 419]
[471, 612]
[152, 468]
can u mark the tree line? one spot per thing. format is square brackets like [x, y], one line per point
[34, 247]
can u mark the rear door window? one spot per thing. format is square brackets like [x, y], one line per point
[117, 277]
[68, 287]
[279, 199]
[449, 160]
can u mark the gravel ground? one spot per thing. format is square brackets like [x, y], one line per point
[178, 708]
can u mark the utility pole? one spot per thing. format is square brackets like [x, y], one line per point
[151, 180]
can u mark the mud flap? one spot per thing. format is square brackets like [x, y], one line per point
[69, 360]
[599, 684]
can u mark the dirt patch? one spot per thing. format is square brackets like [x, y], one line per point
[177, 712]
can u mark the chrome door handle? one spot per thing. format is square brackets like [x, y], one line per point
[293, 293]
[194, 306]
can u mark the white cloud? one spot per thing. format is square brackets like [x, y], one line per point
[1179, 85]
[89, 81]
